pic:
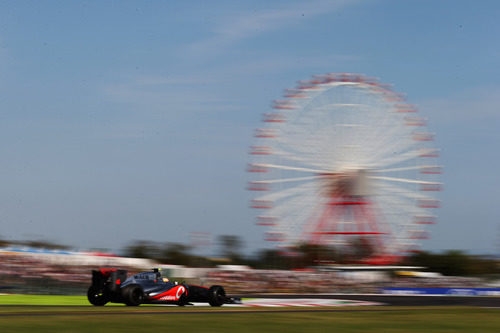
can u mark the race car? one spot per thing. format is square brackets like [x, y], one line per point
[112, 285]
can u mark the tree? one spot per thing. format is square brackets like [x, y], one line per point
[142, 249]
[272, 259]
[357, 250]
[44, 245]
[4, 243]
[454, 263]
[309, 254]
[176, 254]
[231, 246]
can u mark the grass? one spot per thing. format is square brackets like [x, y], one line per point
[84, 318]
[43, 300]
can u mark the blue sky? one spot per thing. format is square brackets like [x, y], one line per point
[125, 120]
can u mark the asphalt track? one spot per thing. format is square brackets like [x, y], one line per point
[398, 300]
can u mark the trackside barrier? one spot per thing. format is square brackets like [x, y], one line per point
[443, 291]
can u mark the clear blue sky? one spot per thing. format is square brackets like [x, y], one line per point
[125, 120]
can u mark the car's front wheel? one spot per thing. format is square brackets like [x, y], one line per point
[183, 300]
[216, 296]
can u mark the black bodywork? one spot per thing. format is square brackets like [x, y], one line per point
[113, 285]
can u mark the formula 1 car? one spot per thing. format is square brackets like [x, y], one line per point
[112, 285]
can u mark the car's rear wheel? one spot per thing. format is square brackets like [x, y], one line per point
[216, 296]
[133, 295]
[97, 296]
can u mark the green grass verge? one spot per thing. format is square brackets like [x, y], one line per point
[400, 320]
[43, 300]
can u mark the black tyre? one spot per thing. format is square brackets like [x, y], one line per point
[97, 296]
[216, 296]
[133, 295]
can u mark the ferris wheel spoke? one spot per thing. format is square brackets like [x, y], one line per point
[405, 180]
[400, 201]
[286, 180]
[299, 156]
[417, 167]
[400, 207]
[394, 191]
[385, 154]
[328, 107]
[385, 148]
[406, 156]
[386, 131]
[291, 219]
[291, 168]
[287, 192]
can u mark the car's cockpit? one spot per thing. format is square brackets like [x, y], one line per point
[152, 278]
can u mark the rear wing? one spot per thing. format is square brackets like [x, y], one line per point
[109, 279]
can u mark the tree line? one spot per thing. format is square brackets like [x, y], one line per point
[301, 256]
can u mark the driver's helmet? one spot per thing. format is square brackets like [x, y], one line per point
[165, 279]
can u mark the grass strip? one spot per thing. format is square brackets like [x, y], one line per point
[425, 319]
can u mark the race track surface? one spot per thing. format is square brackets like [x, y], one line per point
[394, 300]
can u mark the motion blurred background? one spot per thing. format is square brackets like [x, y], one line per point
[125, 130]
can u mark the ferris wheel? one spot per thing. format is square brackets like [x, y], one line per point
[344, 157]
